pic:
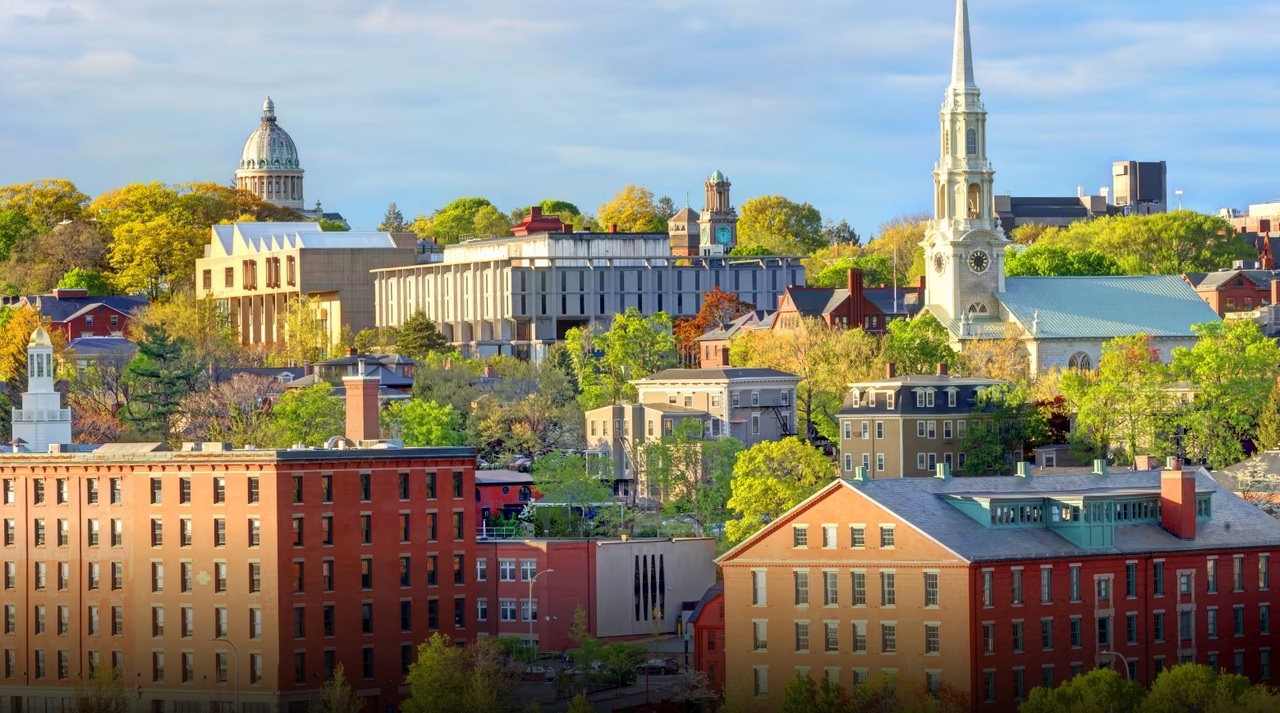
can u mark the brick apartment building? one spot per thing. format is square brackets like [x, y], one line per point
[213, 575]
[1235, 290]
[996, 585]
[627, 588]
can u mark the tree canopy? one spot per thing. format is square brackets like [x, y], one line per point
[309, 416]
[1044, 260]
[918, 346]
[607, 361]
[769, 479]
[449, 224]
[780, 225]
[633, 210]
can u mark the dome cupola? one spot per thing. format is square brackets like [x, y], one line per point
[269, 166]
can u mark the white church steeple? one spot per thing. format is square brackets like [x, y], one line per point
[964, 245]
[41, 421]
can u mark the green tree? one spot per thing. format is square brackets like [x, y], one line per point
[1195, 688]
[1101, 690]
[437, 680]
[876, 270]
[1044, 260]
[490, 221]
[45, 203]
[198, 321]
[376, 340]
[632, 209]
[155, 256]
[620, 660]
[769, 479]
[918, 346]
[88, 280]
[162, 375]
[1030, 233]
[1126, 404]
[580, 704]
[449, 224]
[1268, 436]
[393, 220]
[564, 479]
[333, 226]
[306, 339]
[752, 251]
[800, 695]
[102, 692]
[783, 226]
[899, 241]
[427, 423]
[309, 416]
[840, 234]
[15, 228]
[418, 336]
[605, 362]
[1158, 244]
[692, 473]
[1234, 367]
[1013, 421]
[336, 695]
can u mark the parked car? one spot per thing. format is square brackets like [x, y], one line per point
[666, 667]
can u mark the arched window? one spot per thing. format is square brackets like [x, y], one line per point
[977, 308]
[477, 494]
[971, 142]
[1081, 361]
[975, 201]
[525, 494]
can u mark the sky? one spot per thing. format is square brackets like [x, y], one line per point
[831, 102]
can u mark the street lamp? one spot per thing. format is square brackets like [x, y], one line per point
[1119, 655]
[533, 579]
[236, 652]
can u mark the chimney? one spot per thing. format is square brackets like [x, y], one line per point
[853, 305]
[890, 371]
[1275, 292]
[942, 368]
[1145, 462]
[859, 475]
[853, 282]
[351, 351]
[1024, 470]
[535, 212]
[1178, 500]
[920, 286]
[66, 293]
[613, 227]
[362, 405]
[943, 471]
[1100, 467]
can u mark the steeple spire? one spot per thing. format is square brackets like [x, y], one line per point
[962, 63]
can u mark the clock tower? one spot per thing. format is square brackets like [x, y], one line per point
[718, 223]
[964, 244]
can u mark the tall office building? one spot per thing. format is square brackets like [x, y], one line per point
[1140, 187]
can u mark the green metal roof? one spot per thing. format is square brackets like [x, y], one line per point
[717, 176]
[1104, 307]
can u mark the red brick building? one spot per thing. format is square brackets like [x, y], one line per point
[76, 314]
[626, 588]
[708, 636]
[502, 493]
[855, 305]
[1238, 290]
[995, 585]
[220, 575]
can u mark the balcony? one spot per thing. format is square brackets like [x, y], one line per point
[41, 415]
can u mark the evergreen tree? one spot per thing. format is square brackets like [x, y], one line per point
[1269, 422]
[419, 336]
[163, 375]
[393, 221]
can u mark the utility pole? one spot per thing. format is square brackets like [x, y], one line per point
[236, 653]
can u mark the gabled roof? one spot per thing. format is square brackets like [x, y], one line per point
[1104, 307]
[98, 347]
[67, 308]
[250, 238]
[715, 374]
[816, 301]
[1217, 280]
[712, 592]
[908, 302]
[685, 215]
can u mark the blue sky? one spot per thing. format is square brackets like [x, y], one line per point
[833, 102]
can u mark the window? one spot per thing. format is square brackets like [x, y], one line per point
[157, 493]
[1104, 631]
[1131, 579]
[482, 569]
[1016, 593]
[184, 532]
[1046, 634]
[886, 536]
[255, 623]
[888, 590]
[219, 532]
[157, 532]
[220, 577]
[1185, 629]
[297, 531]
[932, 639]
[366, 529]
[987, 588]
[889, 638]
[859, 589]
[866, 429]
[931, 589]
[760, 679]
[404, 527]
[405, 575]
[879, 429]
[1237, 617]
[1211, 575]
[1046, 585]
[507, 610]
[880, 462]
[1017, 636]
[829, 537]
[1211, 622]
[1264, 572]
[1075, 632]
[366, 573]
[506, 570]
[1264, 618]
[1019, 689]
[366, 618]
[802, 636]
[857, 536]
[255, 577]
[859, 637]
[459, 568]
[1237, 573]
[830, 589]
[802, 588]
[1157, 576]
[219, 491]
[1157, 626]
[253, 489]
[832, 638]
[1104, 588]
[1074, 576]
[157, 576]
[457, 526]
[800, 536]
[366, 487]
[1131, 628]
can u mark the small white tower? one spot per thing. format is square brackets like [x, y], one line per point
[41, 420]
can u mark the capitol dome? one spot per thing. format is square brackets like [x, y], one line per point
[269, 146]
[269, 166]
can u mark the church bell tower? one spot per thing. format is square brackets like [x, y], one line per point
[718, 222]
[964, 244]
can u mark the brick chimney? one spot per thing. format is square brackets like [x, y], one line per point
[1275, 292]
[362, 405]
[535, 212]
[1178, 500]
[942, 368]
[67, 293]
[890, 371]
[351, 351]
[1145, 462]
[853, 282]
[613, 227]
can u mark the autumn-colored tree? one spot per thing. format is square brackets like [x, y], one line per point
[155, 257]
[305, 337]
[718, 310]
[45, 203]
[632, 210]
[16, 326]
[37, 265]
[899, 241]
[781, 225]
[1006, 358]
[237, 411]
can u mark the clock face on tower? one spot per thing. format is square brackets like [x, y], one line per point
[939, 262]
[978, 261]
[723, 235]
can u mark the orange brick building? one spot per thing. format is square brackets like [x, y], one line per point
[217, 575]
[995, 585]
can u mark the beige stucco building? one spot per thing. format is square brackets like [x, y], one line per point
[517, 295]
[254, 269]
[751, 405]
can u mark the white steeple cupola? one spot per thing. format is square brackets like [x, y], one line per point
[964, 245]
[41, 421]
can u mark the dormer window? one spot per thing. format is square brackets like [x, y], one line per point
[919, 398]
[871, 399]
[928, 398]
[888, 400]
[951, 398]
[856, 396]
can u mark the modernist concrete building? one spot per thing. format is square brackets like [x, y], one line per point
[903, 426]
[254, 269]
[751, 405]
[991, 586]
[517, 295]
[1062, 321]
[1140, 187]
[213, 576]
[627, 588]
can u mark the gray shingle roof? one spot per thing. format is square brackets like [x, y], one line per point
[1105, 307]
[712, 592]
[1235, 523]
[716, 374]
